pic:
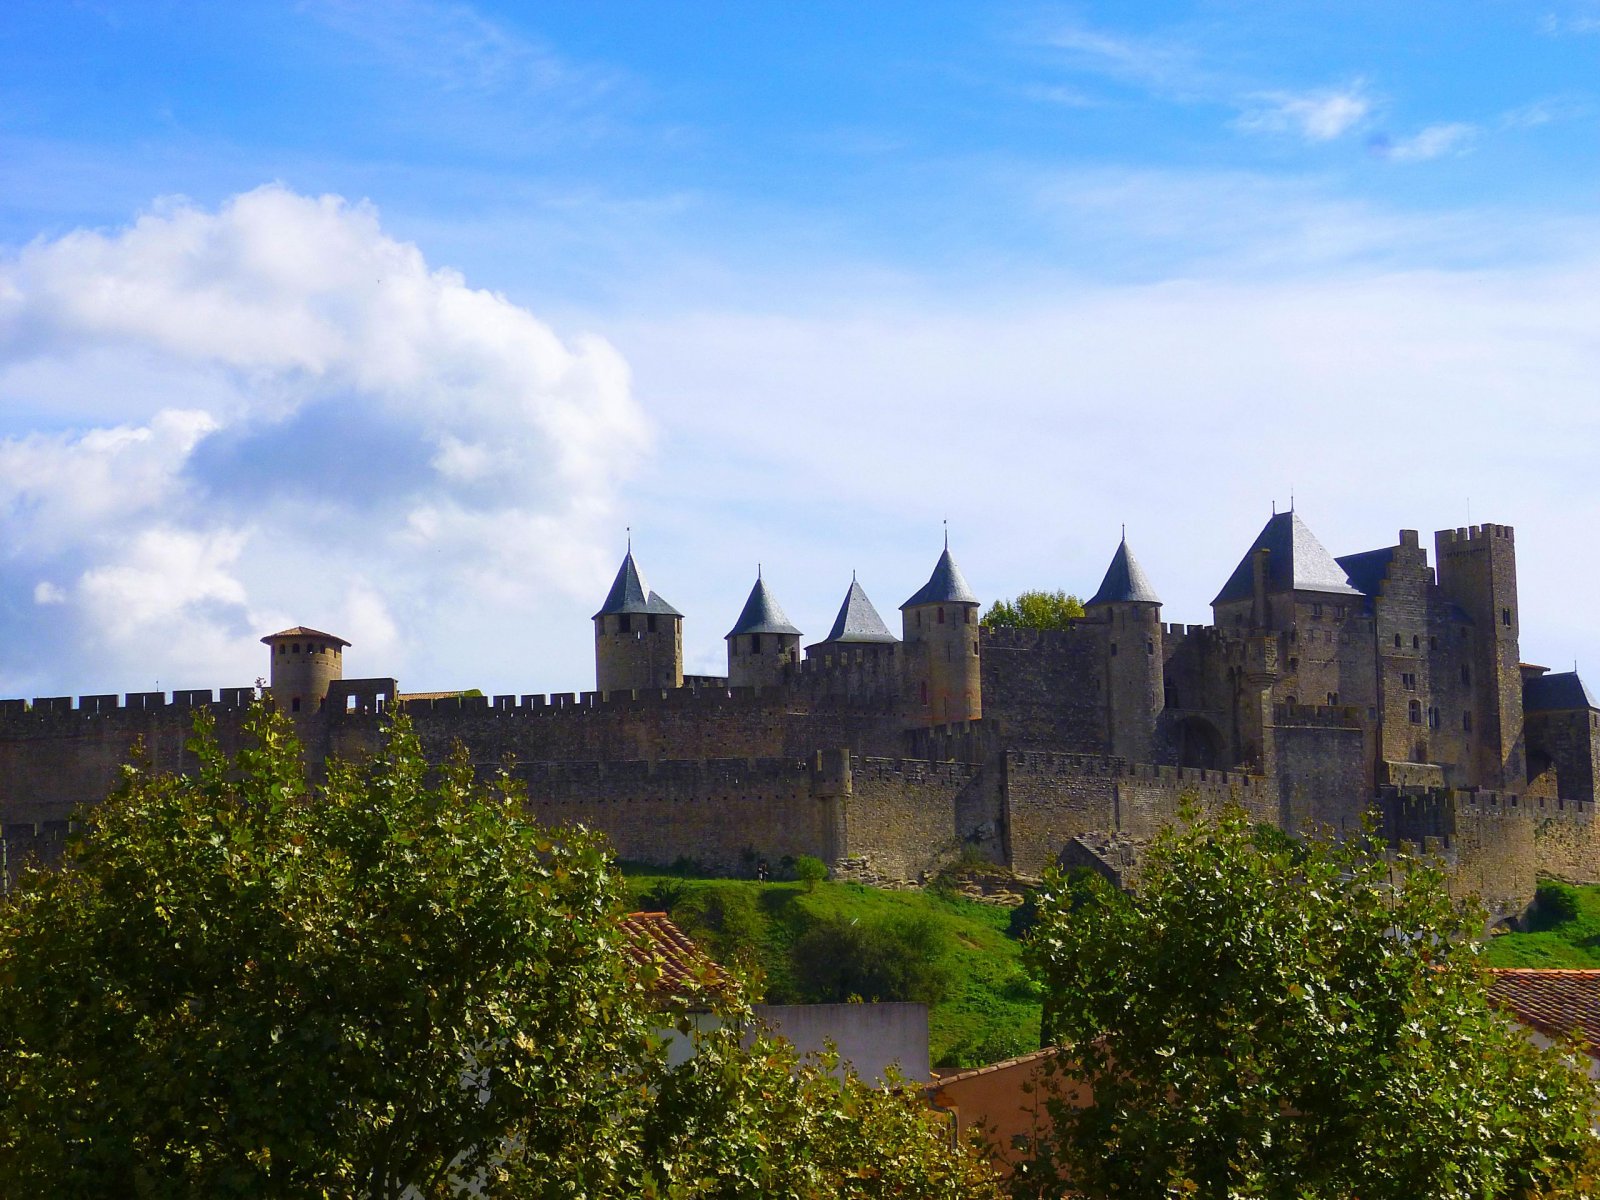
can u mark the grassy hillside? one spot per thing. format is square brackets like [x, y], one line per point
[1564, 931]
[954, 952]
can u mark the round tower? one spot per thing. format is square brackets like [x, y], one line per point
[304, 662]
[762, 641]
[638, 637]
[1130, 612]
[941, 641]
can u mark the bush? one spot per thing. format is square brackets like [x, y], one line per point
[810, 871]
[1554, 903]
[838, 960]
[725, 920]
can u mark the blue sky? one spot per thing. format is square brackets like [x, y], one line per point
[389, 318]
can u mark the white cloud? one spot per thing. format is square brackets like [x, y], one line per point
[323, 395]
[1148, 62]
[1316, 116]
[1435, 141]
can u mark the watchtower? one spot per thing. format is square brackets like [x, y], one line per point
[940, 625]
[1478, 571]
[1130, 611]
[762, 641]
[638, 636]
[304, 662]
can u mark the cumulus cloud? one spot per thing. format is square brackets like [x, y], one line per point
[222, 418]
[1316, 116]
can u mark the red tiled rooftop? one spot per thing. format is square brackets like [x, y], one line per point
[1556, 1002]
[685, 970]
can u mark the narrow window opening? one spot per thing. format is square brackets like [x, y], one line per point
[755, 643]
[1416, 712]
[1113, 649]
[294, 705]
[1397, 641]
[941, 616]
[650, 622]
[1466, 722]
[1505, 617]
[624, 624]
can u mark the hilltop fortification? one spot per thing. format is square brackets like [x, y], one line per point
[1325, 688]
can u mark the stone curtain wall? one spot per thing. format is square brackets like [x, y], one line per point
[1046, 687]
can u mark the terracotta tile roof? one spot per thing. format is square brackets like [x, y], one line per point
[940, 1078]
[1554, 1002]
[685, 970]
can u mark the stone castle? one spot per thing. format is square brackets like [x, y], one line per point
[1324, 689]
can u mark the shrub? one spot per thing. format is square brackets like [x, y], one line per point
[810, 871]
[1554, 903]
[837, 960]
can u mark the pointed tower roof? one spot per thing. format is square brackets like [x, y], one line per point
[1125, 581]
[762, 614]
[628, 594]
[858, 621]
[1298, 563]
[944, 586]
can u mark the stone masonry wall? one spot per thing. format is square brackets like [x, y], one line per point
[1050, 798]
[1046, 687]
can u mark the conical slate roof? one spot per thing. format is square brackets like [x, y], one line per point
[762, 614]
[858, 621]
[944, 586]
[1125, 581]
[628, 594]
[1298, 563]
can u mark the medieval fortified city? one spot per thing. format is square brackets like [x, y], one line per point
[1323, 688]
[1095, 699]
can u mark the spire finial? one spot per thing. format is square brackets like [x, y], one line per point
[758, 572]
[630, 539]
[1291, 497]
[852, 574]
[1274, 508]
[947, 533]
[1124, 532]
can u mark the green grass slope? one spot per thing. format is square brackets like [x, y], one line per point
[982, 1005]
[1564, 931]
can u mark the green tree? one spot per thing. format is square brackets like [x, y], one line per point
[810, 870]
[1270, 1020]
[840, 959]
[1034, 610]
[245, 985]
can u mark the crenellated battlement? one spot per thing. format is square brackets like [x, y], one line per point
[1037, 639]
[1054, 765]
[53, 708]
[1466, 535]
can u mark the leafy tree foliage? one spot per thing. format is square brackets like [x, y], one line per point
[1033, 610]
[810, 870]
[839, 959]
[390, 983]
[1271, 1020]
